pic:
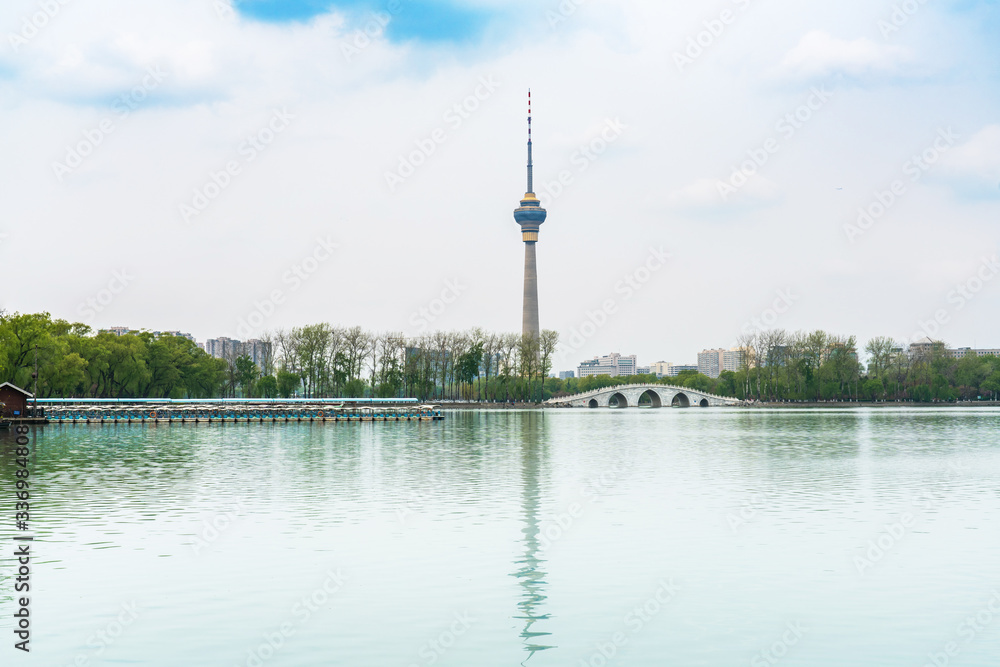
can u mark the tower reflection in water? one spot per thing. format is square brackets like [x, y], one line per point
[530, 573]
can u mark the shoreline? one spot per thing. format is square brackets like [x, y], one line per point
[750, 406]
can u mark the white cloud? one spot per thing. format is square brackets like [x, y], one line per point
[979, 158]
[818, 54]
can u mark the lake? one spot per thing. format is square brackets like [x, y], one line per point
[560, 537]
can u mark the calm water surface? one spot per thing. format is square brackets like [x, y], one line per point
[635, 537]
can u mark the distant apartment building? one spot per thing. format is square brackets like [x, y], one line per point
[666, 369]
[119, 331]
[124, 331]
[713, 362]
[732, 360]
[567, 375]
[962, 352]
[925, 346]
[660, 368]
[178, 334]
[230, 348]
[643, 370]
[223, 348]
[259, 351]
[614, 365]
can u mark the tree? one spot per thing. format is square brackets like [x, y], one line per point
[880, 352]
[467, 366]
[267, 387]
[874, 389]
[246, 373]
[287, 383]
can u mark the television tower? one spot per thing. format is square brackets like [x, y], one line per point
[530, 216]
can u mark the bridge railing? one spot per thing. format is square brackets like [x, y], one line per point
[597, 392]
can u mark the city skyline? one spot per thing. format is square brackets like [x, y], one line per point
[207, 198]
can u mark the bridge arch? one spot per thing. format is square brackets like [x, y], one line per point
[654, 398]
[593, 403]
[618, 400]
[704, 403]
[681, 400]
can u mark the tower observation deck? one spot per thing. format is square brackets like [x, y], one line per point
[530, 216]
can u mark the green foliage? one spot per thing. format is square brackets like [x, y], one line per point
[74, 363]
[326, 361]
[267, 387]
[246, 373]
[287, 383]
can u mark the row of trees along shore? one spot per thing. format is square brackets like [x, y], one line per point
[322, 360]
[315, 361]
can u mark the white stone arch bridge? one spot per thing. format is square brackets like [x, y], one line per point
[629, 396]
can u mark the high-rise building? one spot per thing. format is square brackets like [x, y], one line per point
[530, 217]
[567, 375]
[229, 348]
[614, 365]
[711, 362]
[259, 351]
[732, 360]
[224, 348]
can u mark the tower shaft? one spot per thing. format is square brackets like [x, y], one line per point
[529, 317]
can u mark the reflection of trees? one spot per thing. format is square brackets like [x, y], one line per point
[530, 574]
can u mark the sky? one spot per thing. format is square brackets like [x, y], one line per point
[708, 168]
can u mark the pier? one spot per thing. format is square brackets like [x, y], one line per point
[235, 411]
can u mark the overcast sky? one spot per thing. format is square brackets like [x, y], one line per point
[184, 164]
